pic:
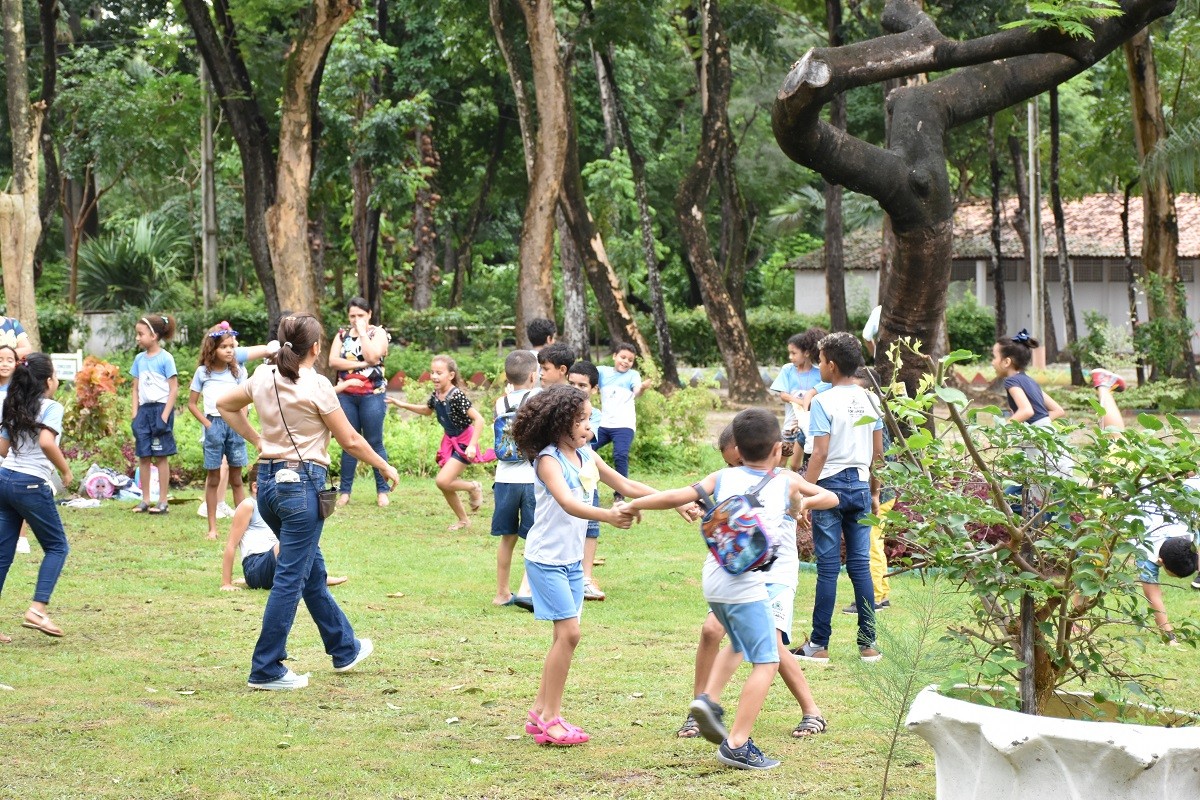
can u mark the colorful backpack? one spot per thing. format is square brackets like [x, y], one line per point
[506, 447]
[734, 532]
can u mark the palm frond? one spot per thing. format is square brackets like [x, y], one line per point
[1177, 157]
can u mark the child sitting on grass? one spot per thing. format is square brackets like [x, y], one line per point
[741, 603]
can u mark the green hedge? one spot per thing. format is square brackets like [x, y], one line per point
[769, 329]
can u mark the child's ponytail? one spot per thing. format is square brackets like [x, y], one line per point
[297, 334]
[161, 325]
[1018, 348]
[23, 406]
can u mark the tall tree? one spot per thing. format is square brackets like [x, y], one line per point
[1066, 278]
[733, 340]
[20, 223]
[1020, 221]
[909, 177]
[1160, 227]
[996, 269]
[835, 264]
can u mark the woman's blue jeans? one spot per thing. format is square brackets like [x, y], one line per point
[830, 526]
[29, 498]
[366, 413]
[290, 509]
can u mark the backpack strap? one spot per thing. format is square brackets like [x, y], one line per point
[752, 495]
[508, 406]
[704, 498]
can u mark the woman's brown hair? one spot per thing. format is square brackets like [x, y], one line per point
[297, 333]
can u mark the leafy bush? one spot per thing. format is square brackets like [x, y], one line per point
[671, 430]
[56, 323]
[1164, 342]
[138, 267]
[970, 326]
[769, 329]
[247, 315]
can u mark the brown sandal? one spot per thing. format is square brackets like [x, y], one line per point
[41, 622]
[810, 725]
[689, 730]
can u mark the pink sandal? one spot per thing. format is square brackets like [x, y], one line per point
[574, 734]
[535, 724]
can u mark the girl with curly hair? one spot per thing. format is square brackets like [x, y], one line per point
[552, 430]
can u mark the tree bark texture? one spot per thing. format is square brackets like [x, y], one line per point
[287, 217]
[574, 289]
[741, 365]
[637, 164]
[835, 263]
[1131, 276]
[209, 259]
[424, 227]
[1066, 277]
[217, 41]
[996, 269]
[1160, 228]
[364, 232]
[20, 223]
[48, 14]
[909, 177]
[535, 284]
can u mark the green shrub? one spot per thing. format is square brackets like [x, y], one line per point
[768, 328]
[56, 323]
[671, 430]
[247, 315]
[970, 326]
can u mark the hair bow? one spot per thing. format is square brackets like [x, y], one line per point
[1022, 337]
[223, 329]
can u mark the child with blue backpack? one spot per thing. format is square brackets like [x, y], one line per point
[512, 514]
[740, 600]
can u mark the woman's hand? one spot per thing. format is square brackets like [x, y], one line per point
[390, 475]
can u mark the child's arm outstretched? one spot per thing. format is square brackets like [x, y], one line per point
[549, 472]
[416, 408]
[810, 495]
[630, 488]
[237, 529]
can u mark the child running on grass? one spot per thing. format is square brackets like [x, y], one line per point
[218, 370]
[155, 390]
[512, 509]
[620, 386]
[1028, 403]
[742, 603]
[781, 591]
[552, 431]
[8, 363]
[463, 425]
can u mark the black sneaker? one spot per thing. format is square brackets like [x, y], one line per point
[525, 603]
[853, 607]
[745, 757]
[710, 717]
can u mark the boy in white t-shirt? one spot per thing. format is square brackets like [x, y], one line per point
[620, 386]
[843, 454]
[512, 513]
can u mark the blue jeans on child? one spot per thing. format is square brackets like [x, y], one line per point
[829, 527]
[29, 498]
[290, 509]
[622, 440]
[365, 413]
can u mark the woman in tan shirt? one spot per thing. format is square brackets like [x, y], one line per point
[298, 411]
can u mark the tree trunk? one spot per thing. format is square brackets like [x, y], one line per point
[608, 105]
[996, 270]
[221, 52]
[1160, 228]
[575, 318]
[287, 217]
[1021, 223]
[1065, 276]
[835, 272]
[424, 231]
[208, 196]
[1131, 278]
[462, 257]
[48, 203]
[637, 164]
[535, 289]
[741, 365]
[20, 223]
[977, 77]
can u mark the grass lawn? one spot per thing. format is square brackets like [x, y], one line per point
[146, 695]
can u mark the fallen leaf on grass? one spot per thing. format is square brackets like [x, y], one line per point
[513, 738]
[393, 706]
[151, 689]
[636, 695]
[284, 745]
[185, 691]
[374, 608]
[390, 690]
[476, 760]
[456, 687]
[453, 721]
[4, 687]
[396, 594]
[639, 723]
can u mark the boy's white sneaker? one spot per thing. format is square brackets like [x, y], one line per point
[23, 544]
[224, 511]
[592, 592]
[288, 681]
[365, 648]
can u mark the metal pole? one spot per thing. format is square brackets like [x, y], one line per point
[1037, 265]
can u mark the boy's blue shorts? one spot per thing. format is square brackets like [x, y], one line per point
[557, 589]
[751, 629]
[513, 511]
[149, 427]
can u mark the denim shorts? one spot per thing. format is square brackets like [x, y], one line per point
[259, 569]
[750, 627]
[557, 589]
[151, 436]
[593, 528]
[513, 511]
[222, 441]
[782, 599]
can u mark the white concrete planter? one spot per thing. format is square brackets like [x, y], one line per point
[985, 753]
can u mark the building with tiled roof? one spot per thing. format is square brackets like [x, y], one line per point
[1094, 242]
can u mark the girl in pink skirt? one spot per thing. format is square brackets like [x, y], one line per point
[460, 446]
